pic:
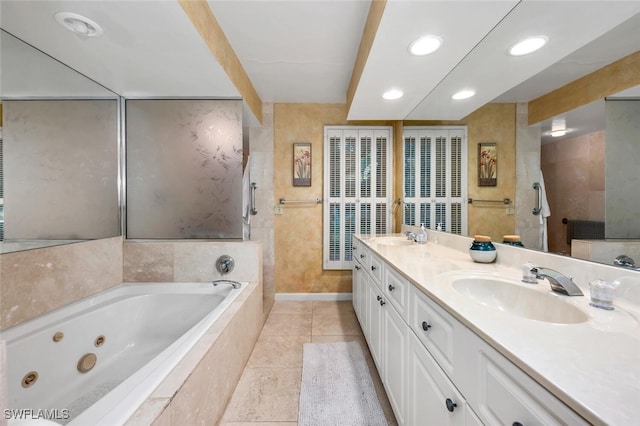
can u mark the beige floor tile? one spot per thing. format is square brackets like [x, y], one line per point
[332, 308]
[287, 325]
[278, 352]
[292, 307]
[342, 323]
[266, 394]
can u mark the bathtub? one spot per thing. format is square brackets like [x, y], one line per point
[97, 360]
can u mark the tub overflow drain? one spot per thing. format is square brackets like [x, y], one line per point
[87, 362]
[29, 379]
[99, 341]
[58, 336]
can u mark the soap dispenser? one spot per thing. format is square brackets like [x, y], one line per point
[421, 238]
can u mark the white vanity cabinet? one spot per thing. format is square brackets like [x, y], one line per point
[384, 329]
[434, 368]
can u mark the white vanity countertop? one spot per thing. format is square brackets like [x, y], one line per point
[593, 367]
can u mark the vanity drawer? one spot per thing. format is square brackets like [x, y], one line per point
[434, 327]
[504, 394]
[356, 249]
[396, 288]
[376, 268]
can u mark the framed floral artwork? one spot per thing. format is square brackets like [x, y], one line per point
[487, 164]
[302, 164]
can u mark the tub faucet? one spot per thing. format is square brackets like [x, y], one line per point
[234, 284]
[559, 282]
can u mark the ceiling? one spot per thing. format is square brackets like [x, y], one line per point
[304, 50]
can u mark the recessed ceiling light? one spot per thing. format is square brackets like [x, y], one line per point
[528, 45]
[463, 94]
[425, 45]
[79, 24]
[392, 94]
[558, 133]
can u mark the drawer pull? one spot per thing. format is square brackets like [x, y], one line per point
[362, 256]
[391, 287]
[373, 268]
[426, 326]
[357, 267]
[382, 302]
[451, 405]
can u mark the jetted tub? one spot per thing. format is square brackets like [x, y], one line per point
[97, 360]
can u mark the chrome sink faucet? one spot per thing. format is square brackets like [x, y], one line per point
[410, 235]
[559, 282]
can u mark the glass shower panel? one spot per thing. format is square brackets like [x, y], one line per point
[184, 169]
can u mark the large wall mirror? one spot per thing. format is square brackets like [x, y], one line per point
[591, 176]
[60, 149]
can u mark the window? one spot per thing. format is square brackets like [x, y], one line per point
[435, 177]
[357, 188]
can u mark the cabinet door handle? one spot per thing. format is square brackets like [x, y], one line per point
[357, 267]
[373, 268]
[362, 256]
[517, 424]
[379, 298]
[391, 287]
[451, 405]
[382, 302]
[354, 248]
[426, 326]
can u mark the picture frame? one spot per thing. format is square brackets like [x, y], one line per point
[487, 164]
[302, 164]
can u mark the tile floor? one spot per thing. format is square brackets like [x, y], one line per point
[268, 391]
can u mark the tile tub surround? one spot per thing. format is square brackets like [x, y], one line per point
[198, 389]
[190, 261]
[37, 281]
[593, 367]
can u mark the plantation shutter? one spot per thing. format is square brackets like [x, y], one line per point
[434, 187]
[358, 172]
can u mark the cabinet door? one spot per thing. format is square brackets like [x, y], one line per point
[504, 394]
[374, 325]
[356, 291]
[395, 361]
[432, 398]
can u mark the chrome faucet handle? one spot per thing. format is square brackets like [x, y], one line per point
[559, 283]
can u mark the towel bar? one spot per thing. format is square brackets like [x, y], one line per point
[317, 200]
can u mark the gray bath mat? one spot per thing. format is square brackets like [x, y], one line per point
[337, 388]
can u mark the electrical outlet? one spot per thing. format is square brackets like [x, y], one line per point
[511, 210]
[279, 209]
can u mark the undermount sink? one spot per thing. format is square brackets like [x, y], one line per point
[518, 300]
[391, 241]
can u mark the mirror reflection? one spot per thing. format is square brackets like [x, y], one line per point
[591, 176]
[59, 150]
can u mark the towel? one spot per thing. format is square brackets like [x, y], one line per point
[545, 212]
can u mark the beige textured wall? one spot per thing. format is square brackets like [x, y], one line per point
[574, 180]
[35, 282]
[298, 231]
[492, 123]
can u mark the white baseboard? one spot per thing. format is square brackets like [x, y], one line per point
[313, 296]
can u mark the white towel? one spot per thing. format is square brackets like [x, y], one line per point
[545, 212]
